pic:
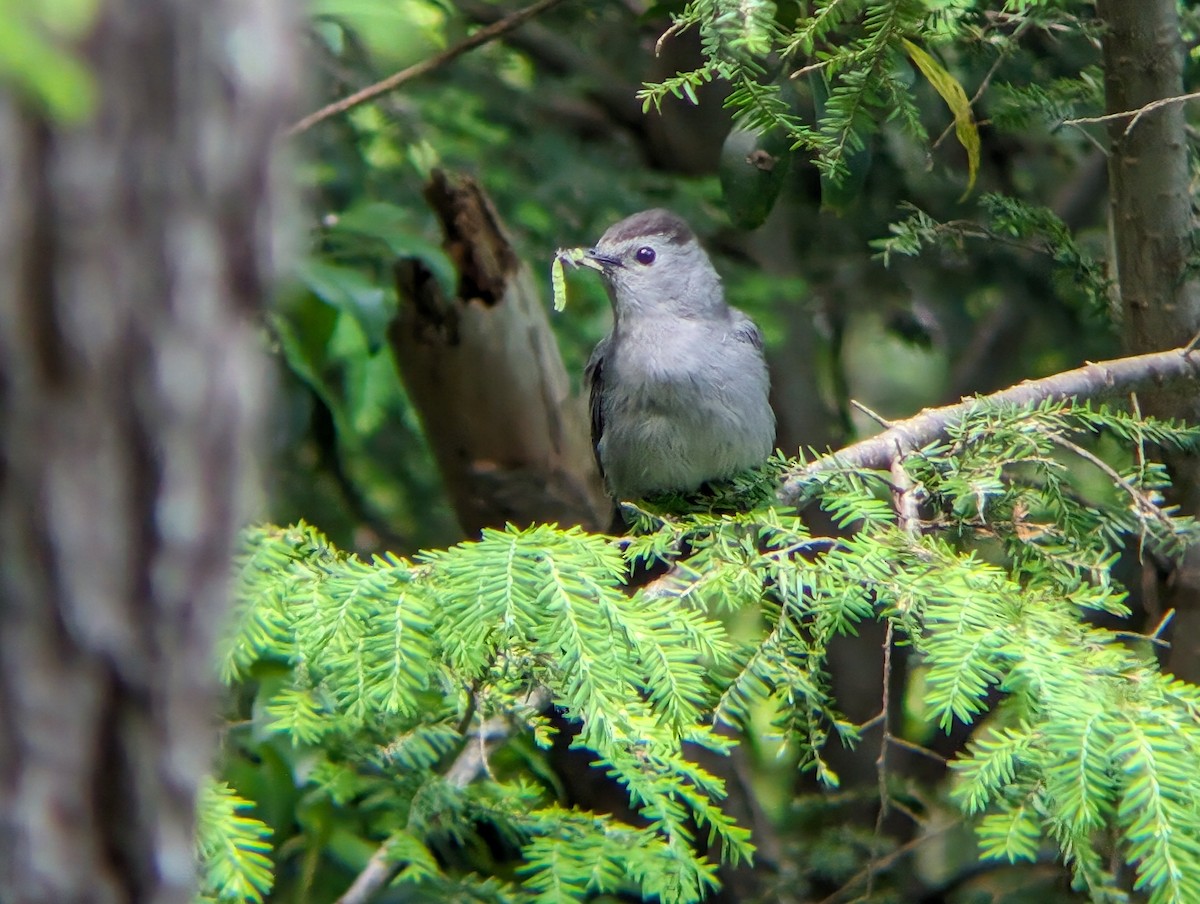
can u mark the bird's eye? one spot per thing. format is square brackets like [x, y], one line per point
[645, 255]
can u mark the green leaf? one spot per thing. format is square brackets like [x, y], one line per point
[350, 291]
[34, 55]
[840, 188]
[1013, 834]
[363, 228]
[960, 105]
[753, 169]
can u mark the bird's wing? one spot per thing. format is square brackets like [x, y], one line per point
[746, 330]
[593, 378]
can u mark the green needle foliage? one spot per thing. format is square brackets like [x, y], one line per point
[233, 847]
[856, 49]
[394, 666]
[1080, 278]
[411, 697]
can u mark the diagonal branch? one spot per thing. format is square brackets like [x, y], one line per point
[470, 763]
[1134, 116]
[396, 79]
[875, 867]
[1144, 505]
[1092, 381]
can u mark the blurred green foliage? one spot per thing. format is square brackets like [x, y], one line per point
[36, 54]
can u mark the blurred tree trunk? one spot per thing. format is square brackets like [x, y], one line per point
[134, 247]
[1152, 226]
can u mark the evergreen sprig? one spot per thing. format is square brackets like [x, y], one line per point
[408, 689]
[1019, 105]
[1007, 221]
[856, 47]
[391, 663]
[859, 60]
[233, 849]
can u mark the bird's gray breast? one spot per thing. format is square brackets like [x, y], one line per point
[685, 402]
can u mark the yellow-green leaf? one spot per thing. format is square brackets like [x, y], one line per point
[956, 99]
[38, 57]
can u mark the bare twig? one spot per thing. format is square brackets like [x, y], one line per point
[906, 497]
[987, 80]
[918, 749]
[811, 67]
[881, 761]
[677, 26]
[470, 763]
[1135, 114]
[870, 723]
[395, 80]
[983, 86]
[875, 867]
[377, 873]
[873, 415]
[1144, 505]
[1163, 624]
[1146, 638]
[1092, 139]
[1099, 380]
[905, 494]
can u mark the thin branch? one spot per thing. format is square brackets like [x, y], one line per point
[1092, 381]
[377, 873]
[870, 723]
[906, 498]
[881, 761]
[1145, 638]
[1136, 114]
[470, 763]
[1092, 139]
[983, 85]
[1144, 505]
[679, 25]
[1150, 595]
[875, 867]
[873, 415]
[483, 36]
[918, 749]
[811, 67]
[1163, 624]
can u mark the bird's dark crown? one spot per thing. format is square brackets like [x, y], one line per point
[657, 222]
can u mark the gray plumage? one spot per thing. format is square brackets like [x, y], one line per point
[679, 387]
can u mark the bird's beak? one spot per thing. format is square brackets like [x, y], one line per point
[602, 259]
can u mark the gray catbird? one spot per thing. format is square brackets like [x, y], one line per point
[679, 387]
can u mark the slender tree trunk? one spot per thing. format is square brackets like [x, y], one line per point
[1152, 225]
[1148, 173]
[133, 252]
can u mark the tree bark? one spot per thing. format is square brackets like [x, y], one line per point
[1097, 381]
[1152, 226]
[1148, 174]
[484, 371]
[134, 247]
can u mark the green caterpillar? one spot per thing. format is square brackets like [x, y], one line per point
[576, 257]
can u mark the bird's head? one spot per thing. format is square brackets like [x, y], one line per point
[652, 264]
